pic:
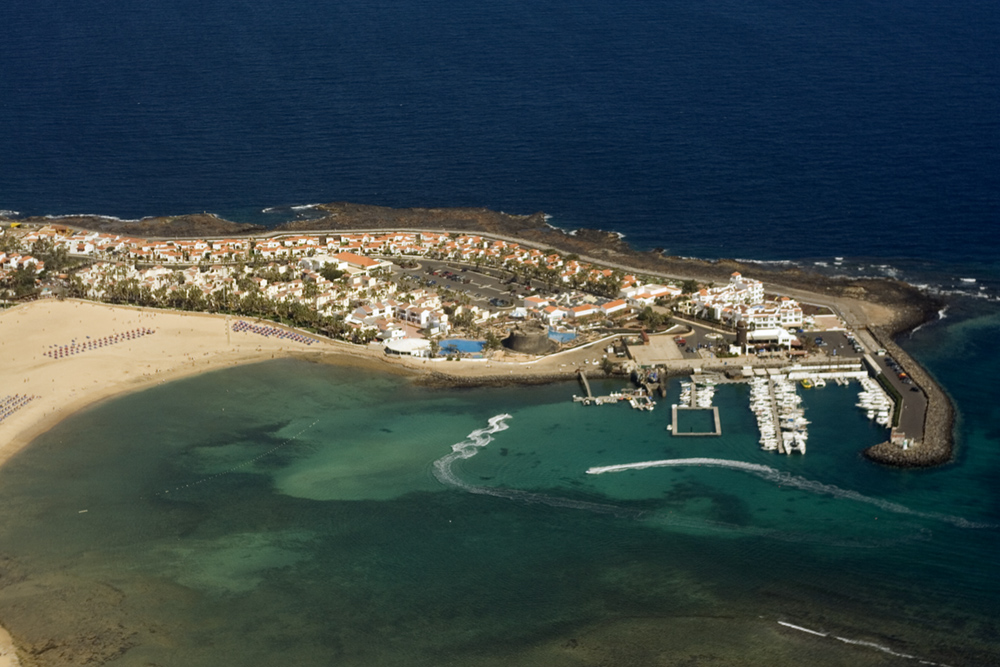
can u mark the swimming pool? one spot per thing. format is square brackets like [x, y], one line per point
[561, 337]
[458, 345]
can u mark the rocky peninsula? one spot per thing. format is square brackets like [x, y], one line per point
[884, 307]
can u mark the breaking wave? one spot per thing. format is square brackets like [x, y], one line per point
[109, 218]
[478, 439]
[786, 479]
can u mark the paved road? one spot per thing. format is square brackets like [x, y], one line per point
[911, 420]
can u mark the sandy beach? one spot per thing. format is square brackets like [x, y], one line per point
[183, 344]
[8, 658]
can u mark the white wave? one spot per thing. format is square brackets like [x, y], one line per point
[558, 229]
[943, 313]
[858, 642]
[786, 479]
[305, 207]
[774, 262]
[940, 290]
[968, 280]
[801, 629]
[112, 218]
[7, 213]
[478, 439]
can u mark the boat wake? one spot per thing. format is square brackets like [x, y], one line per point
[786, 479]
[858, 642]
[475, 441]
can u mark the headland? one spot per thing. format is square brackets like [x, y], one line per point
[879, 309]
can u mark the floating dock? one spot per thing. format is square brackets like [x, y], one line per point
[673, 421]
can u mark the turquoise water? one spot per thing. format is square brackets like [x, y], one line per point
[295, 513]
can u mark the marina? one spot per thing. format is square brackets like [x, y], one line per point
[638, 399]
[780, 415]
[775, 400]
[873, 400]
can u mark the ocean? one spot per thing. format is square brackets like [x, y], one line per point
[312, 515]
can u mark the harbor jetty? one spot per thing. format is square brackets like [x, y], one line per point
[639, 399]
[929, 441]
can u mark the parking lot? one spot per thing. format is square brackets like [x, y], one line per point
[485, 289]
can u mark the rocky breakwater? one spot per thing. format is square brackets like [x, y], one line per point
[445, 380]
[937, 446]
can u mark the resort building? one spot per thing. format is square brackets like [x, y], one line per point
[742, 300]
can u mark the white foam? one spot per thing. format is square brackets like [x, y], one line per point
[858, 642]
[305, 207]
[92, 215]
[466, 449]
[786, 479]
[478, 439]
[773, 262]
[7, 213]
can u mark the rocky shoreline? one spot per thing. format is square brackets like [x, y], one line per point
[595, 245]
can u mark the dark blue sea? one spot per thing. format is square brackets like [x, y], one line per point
[855, 138]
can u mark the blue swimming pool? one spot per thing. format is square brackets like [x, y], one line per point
[561, 337]
[458, 345]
